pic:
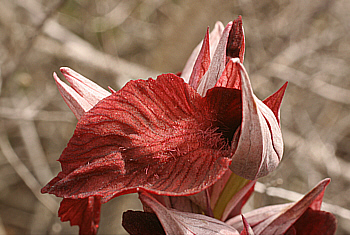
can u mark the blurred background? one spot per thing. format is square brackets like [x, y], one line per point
[304, 42]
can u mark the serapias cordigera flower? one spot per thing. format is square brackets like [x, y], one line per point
[173, 136]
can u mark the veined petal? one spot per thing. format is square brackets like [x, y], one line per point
[217, 64]
[75, 102]
[256, 216]
[314, 222]
[202, 63]
[177, 222]
[279, 223]
[247, 230]
[156, 135]
[260, 146]
[274, 101]
[231, 76]
[278, 219]
[182, 203]
[86, 88]
[214, 38]
[82, 212]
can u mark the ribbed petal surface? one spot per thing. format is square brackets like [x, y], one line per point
[277, 219]
[82, 212]
[158, 135]
[178, 222]
[260, 146]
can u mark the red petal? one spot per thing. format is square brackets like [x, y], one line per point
[257, 216]
[176, 222]
[231, 76]
[280, 223]
[75, 102]
[314, 222]
[247, 230]
[89, 90]
[236, 45]
[202, 63]
[182, 203]
[260, 145]
[274, 101]
[214, 38]
[82, 212]
[157, 135]
[217, 64]
[317, 202]
[139, 222]
[277, 219]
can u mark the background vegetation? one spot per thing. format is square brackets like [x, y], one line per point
[304, 42]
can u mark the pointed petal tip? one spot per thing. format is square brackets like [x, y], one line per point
[325, 181]
[219, 24]
[75, 102]
[86, 88]
[57, 79]
[111, 89]
[274, 101]
[62, 87]
[247, 230]
[43, 190]
[280, 92]
[65, 70]
[217, 64]
[283, 88]
[202, 62]
[236, 42]
[69, 73]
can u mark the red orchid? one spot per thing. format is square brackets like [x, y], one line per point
[170, 136]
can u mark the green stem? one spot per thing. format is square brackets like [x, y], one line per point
[233, 185]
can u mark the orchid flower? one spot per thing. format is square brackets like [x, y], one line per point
[169, 136]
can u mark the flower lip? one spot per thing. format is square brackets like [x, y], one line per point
[149, 135]
[226, 103]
